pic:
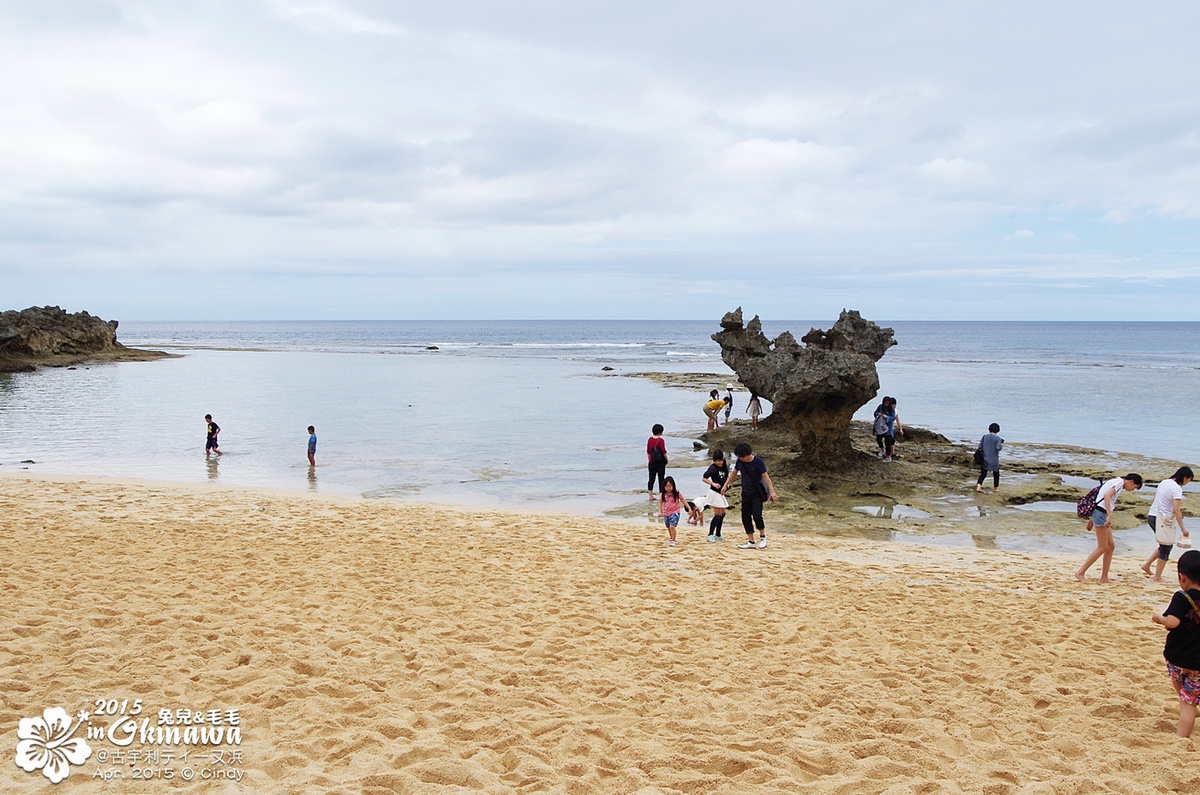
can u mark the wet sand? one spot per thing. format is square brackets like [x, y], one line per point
[378, 647]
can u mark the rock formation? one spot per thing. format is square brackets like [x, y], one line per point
[48, 335]
[815, 388]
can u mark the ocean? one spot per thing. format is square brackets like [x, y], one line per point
[521, 414]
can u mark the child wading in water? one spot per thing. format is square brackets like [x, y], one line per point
[1182, 652]
[670, 506]
[211, 444]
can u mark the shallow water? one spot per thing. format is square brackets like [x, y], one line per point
[1049, 506]
[894, 511]
[520, 414]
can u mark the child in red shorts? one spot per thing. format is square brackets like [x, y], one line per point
[1182, 652]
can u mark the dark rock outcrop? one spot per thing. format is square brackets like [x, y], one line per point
[50, 336]
[815, 388]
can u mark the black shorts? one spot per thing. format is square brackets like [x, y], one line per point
[210, 444]
[1164, 550]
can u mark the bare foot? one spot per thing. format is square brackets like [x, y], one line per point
[1157, 579]
[1079, 576]
[1146, 569]
[979, 489]
[995, 490]
[1108, 579]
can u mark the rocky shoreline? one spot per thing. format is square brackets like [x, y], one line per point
[930, 489]
[49, 336]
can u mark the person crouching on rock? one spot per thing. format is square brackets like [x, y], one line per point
[712, 409]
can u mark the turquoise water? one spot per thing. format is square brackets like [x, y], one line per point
[520, 414]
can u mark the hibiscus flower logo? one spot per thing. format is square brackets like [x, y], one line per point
[46, 744]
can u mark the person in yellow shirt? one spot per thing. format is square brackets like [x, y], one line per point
[712, 408]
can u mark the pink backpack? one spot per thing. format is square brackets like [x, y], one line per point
[1087, 503]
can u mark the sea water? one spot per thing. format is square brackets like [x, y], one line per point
[523, 414]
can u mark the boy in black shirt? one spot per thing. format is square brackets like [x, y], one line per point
[756, 490]
[1182, 652]
[210, 439]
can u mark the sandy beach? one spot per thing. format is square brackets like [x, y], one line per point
[376, 647]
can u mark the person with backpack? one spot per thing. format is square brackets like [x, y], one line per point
[990, 446]
[1104, 498]
[656, 461]
[880, 430]
[887, 425]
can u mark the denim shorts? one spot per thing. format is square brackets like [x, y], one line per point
[1099, 517]
[671, 520]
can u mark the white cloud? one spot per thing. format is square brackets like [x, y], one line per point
[762, 154]
[954, 171]
[321, 15]
[380, 137]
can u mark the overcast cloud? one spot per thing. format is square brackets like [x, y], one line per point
[361, 159]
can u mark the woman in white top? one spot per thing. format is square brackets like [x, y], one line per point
[1101, 522]
[1166, 517]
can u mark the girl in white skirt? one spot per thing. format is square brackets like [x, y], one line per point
[715, 476]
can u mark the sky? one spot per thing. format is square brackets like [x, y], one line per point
[363, 159]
